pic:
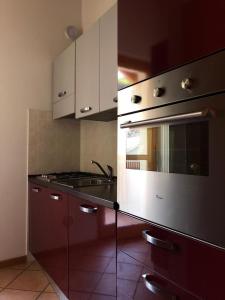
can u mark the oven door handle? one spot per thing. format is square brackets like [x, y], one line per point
[192, 115]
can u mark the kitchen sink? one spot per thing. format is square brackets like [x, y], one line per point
[81, 182]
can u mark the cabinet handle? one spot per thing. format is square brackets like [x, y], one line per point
[55, 197]
[61, 94]
[36, 190]
[115, 99]
[157, 242]
[186, 116]
[88, 209]
[85, 109]
[156, 289]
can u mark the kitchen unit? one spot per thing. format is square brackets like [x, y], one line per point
[78, 249]
[164, 240]
[166, 34]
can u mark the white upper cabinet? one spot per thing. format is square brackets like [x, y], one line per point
[108, 59]
[87, 73]
[96, 68]
[64, 83]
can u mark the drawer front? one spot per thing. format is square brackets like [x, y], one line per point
[138, 282]
[187, 262]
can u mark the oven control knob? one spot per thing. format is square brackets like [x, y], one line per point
[186, 84]
[158, 92]
[136, 99]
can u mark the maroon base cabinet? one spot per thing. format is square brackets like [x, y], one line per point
[92, 251]
[79, 246]
[177, 265]
[48, 234]
[157, 35]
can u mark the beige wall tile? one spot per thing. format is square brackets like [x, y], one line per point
[54, 146]
[98, 142]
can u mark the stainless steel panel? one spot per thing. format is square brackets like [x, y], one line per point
[200, 78]
[193, 205]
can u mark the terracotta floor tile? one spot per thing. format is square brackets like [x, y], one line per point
[49, 289]
[21, 266]
[30, 281]
[7, 275]
[17, 295]
[48, 296]
[35, 266]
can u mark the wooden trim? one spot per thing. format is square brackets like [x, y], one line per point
[13, 261]
[132, 63]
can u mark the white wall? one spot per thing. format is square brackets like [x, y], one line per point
[31, 34]
[93, 9]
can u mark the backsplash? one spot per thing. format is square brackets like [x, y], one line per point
[98, 142]
[54, 146]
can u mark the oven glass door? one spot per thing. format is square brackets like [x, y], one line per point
[180, 148]
[171, 167]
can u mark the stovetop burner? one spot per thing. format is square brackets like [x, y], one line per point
[64, 175]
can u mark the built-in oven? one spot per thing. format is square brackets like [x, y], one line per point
[171, 152]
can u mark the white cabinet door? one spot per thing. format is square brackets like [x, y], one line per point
[64, 74]
[108, 59]
[87, 73]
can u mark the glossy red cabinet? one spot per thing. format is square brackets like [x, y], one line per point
[48, 234]
[36, 208]
[92, 251]
[157, 35]
[135, 281]
[185, 262]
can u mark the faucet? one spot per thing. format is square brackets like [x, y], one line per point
[108, 175]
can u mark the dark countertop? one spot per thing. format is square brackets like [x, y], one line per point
[105, 195]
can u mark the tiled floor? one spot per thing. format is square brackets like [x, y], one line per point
[25, 282]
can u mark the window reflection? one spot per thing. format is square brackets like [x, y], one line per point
[179, 148]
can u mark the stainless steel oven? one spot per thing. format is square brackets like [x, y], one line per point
[171, 151]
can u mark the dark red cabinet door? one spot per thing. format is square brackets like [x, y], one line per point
[36, 207]
[132, 286]
[157, 35]
[49, 234]
[92, 251]
[187, 263]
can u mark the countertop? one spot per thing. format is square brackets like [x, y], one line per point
[105, 195]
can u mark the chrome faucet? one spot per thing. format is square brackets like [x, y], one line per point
[108, 175]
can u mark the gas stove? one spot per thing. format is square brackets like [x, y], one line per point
[76, 179]
[62, 176]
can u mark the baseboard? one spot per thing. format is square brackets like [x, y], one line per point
[13, 261]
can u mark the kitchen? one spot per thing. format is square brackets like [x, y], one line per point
[157, 249]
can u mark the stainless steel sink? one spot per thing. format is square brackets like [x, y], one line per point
[81, 182]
